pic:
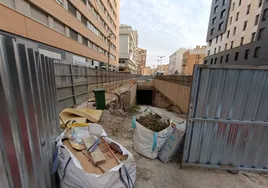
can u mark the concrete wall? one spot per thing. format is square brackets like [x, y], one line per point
[178, 94]
[124, 44]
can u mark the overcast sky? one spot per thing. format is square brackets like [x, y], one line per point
[164, 26]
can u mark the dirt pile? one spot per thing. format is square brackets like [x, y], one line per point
[153, 122]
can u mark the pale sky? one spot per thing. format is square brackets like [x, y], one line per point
[164, 26]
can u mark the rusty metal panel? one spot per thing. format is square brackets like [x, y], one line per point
[227, 124]
[29, 116]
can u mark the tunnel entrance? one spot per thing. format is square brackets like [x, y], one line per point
[145, 97]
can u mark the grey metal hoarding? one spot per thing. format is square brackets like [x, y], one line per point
[227, 125]
[29, 116]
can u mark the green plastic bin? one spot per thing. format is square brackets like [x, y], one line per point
[100, 98]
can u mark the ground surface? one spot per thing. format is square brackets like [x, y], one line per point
[155, 174]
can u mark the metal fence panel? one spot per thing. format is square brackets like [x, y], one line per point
[227, 124]
[29, 123]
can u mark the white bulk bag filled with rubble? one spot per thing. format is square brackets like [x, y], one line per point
[149, 143]
[72, 174]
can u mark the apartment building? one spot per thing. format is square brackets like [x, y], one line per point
[175, 61]
[128, 49]
[238, 33]
[192, 57]
[163, 69]
[141, 59]
[74, 31]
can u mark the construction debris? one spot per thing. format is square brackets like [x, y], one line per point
[153, 122]
[88, 167]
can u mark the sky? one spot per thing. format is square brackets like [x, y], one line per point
[165, 26]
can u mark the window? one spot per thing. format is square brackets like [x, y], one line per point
[205, 62]
[231, 19]
[236, 56]
[224, 2]
[245, 25]
[257, 19]
[60, 2]
[39, 15]
[248, 9]
[221, 36]
[59, 26]
[265, 15]
[212, 31]
[83, 19]
[253, 37]
[234, 31]
[247, 54]
[228, 33]
[215, 61]
[257, 52]
[223, 13]
[216, 9]
[242, 41]
[233, 6]
[227, 58]
[221, 59]
[210, 42]
[208, 52]
[219, 50]
[213, 21]
[240, 1]
[215, 50]
[225, 48]
[73, 34]
[237, 16]
[221, 26]
[232, 44]
[211, 61]
[216, 39]
[261, 34]
[84, 40]
[71, 9]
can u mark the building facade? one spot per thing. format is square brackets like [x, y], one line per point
[192, 57]
[163, 69]
[175, 61]
[69, 30]
[128, 49]
[238, 33]
[141, 59]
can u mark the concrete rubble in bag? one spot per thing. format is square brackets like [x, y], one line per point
[76, 170]
[174, 144]
[147, 142]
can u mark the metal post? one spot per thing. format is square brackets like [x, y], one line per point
[73, 84]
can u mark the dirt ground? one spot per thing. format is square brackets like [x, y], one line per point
[155, 174]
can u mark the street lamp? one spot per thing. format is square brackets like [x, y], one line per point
[161, 57]
[109, 48]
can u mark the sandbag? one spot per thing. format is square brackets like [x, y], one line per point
[174, 144]
[147, 142]
[72, 175]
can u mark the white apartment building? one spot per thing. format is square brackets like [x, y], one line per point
[175, 61]
[128, 49]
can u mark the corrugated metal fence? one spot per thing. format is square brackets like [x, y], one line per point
[28, 118]
[72, 82]
[228, 118]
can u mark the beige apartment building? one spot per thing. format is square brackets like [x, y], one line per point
[75, 31]
[141, 59]
[163, 69]
[237, 32]
[192, 57]
[128, 49]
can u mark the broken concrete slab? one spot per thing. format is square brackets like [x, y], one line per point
[90, 114]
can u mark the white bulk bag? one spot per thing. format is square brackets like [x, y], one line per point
[72, 174]
[147, 142]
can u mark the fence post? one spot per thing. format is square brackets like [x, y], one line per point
[73, 84]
